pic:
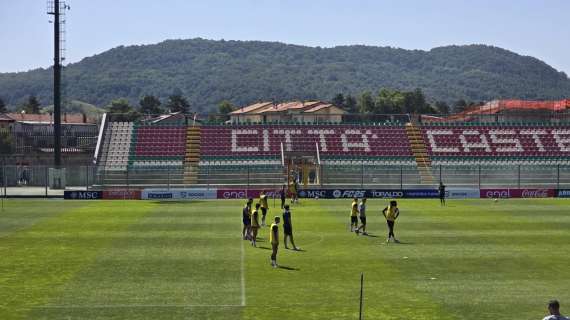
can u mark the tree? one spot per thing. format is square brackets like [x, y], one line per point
[350, 104]
[150, 104]
[225, 107]
[459, 105]
[365, 102]
[5, 142]
[177, 103]
[442, 107]
[3, 108]
[338, 100]
[32, 106]
[121, 110]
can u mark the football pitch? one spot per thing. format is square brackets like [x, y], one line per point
[474, 259]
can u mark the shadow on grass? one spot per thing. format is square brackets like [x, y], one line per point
[264, 248]
[298, 249]
[288, 268]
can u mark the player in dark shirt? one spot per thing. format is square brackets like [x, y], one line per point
[288, 228]
[441, 193]
[246, 219]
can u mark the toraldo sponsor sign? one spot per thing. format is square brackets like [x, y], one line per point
[517, 193]
[121, 194]
[82, 195]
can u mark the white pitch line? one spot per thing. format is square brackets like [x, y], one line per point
[110, 306]
[242, 275]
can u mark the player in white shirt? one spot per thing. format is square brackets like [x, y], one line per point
[554, 310]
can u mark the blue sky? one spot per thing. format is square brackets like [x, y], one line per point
[537, 28]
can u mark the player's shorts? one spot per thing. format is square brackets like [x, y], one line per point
[288, 229]
[353, 219]
[246, 222]
[363, 220]
[264, 211]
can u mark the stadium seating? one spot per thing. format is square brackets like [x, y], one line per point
[335, 143]
[158, 147]
[119, 135]
[493, 144]
[230, 152]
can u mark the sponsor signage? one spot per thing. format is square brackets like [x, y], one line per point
[244, 194]
[517, 193]
[563, 193]
[82, 195]
[351, 193]
[460, 193]
[178, 194]
[121, 194]
[421, 193]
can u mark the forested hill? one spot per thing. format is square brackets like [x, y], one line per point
[207, 72]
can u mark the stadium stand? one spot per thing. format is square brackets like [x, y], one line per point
[239, 154]
[497, 144]
[117, 145]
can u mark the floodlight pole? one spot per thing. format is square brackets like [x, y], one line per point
[56, 86]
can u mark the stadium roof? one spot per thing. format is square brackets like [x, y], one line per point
[270, 107]
[44, 118]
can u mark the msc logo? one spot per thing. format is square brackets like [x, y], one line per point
[82, 195]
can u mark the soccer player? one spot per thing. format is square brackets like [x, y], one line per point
[362, 216]
[264, 206]
[354, 215]
[391, 213]
[254, 224]
[288, 228]
[441, 193]
[246, 219]
[554, 310]
[274, 239]
[283, 195]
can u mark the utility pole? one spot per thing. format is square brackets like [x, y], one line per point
[54, 8]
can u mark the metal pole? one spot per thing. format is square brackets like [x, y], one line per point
[361, 295]
[247, 177]
[519, 176]
[127, 178]
[401, 177]
[87, 178]
[168, 174]
[362, 175]
[557, 176]
[479, 177]
[47, 179]
[56, 87]
[440, 173]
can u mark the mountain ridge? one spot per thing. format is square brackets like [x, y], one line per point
[243, 72]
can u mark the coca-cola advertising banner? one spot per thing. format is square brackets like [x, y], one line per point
[517, 193]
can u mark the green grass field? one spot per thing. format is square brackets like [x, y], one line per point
[474, 259]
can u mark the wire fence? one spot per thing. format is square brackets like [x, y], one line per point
[42, 181]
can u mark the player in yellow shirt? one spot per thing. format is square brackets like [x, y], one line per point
[264, 206]
[274, 239]
[354, 215]
[391, 213]
[254, 224]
